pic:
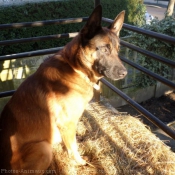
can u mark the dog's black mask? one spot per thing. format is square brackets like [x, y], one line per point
[108, 63]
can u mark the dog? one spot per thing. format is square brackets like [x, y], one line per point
[47, 106]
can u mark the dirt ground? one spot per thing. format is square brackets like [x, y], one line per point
[162, 107]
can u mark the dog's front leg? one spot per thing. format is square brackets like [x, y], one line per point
[68, 134]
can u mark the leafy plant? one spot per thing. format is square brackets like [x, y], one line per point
[136, 12]
[167, 50]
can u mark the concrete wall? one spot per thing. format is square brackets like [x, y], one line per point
[138, 94]
[14, 72]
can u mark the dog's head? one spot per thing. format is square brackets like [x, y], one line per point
[100, 46]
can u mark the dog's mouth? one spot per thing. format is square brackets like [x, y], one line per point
[112, 72]
[99, 68]
[102, 70]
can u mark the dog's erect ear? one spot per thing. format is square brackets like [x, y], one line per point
[117, 23]
[93, 25]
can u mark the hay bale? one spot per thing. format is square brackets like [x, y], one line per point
[115, 144]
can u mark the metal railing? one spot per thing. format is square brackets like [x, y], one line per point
[134, 104]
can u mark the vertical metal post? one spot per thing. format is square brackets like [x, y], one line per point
[96, 3]
[97, 92]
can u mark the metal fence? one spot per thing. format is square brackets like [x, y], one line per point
[134, 104]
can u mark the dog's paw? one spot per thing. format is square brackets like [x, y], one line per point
[76, 156]
[80, 161]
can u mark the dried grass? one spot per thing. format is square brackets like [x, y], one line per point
[115, 144]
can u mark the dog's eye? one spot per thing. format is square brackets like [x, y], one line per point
[103, 49]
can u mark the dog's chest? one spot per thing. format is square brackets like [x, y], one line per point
[69, 106]
[64, 111]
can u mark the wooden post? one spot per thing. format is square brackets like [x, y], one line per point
[96, 3]
[97, 92]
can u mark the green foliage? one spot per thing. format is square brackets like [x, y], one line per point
[57, 10]
[136, 12]
[165, 26]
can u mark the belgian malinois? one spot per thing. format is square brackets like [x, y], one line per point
[47, 106]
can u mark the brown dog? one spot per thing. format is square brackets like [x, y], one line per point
[48, 104]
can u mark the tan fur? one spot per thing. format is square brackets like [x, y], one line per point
[46, 107]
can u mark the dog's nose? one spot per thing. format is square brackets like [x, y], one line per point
[122, 72]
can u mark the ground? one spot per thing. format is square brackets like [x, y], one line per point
[162, 107]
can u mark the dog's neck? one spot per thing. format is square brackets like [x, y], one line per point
[82, 73]
[85, 77]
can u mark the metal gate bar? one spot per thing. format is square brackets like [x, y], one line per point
[39, 38]
[43, 23]
[148, 53]
[31, 53]
[148, 72]
[162, 37]
[139, 108]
